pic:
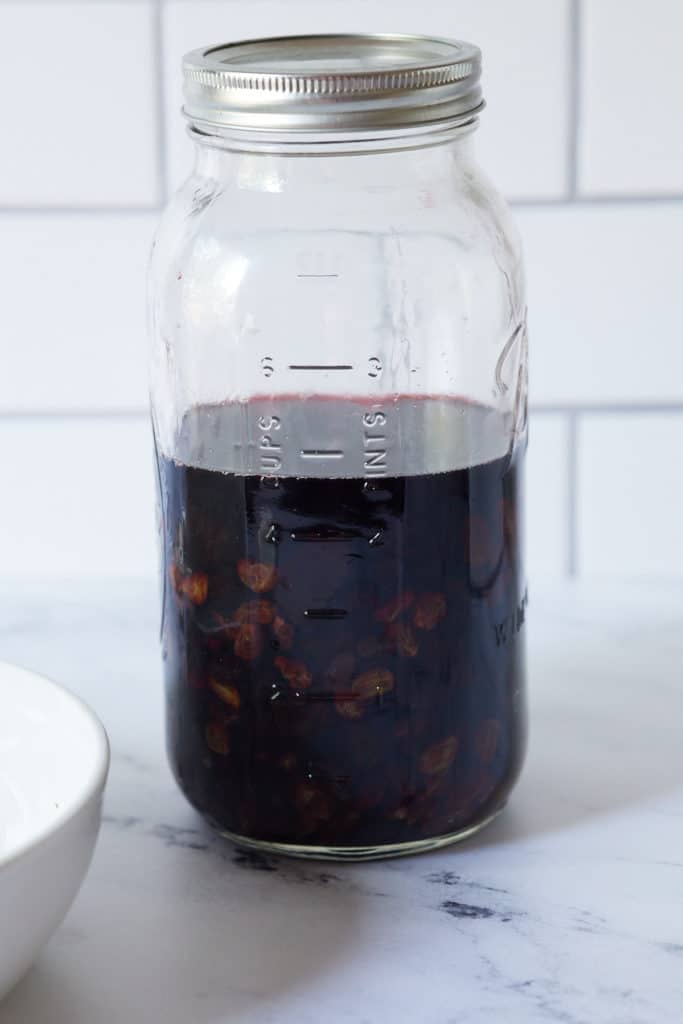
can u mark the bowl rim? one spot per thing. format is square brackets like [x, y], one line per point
[96, 778]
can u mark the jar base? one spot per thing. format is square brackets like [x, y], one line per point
[358, 853]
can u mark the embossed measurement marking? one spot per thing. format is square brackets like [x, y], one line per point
[325, 613]
[325, 532]
[321, 453]
[320, 366]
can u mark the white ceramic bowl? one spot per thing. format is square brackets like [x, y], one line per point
[54, 758]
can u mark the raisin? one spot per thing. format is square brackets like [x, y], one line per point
[227, 693]
[222, 627]
[390, 612]
[468, 799]
[257, 576]
[258, 610]
[430, 609]
[248, 642]
[217, 738]
[439, 757]
[194, 585]
[486, 742]
[349, 707]
[403, 638]
[283, 633]
[372, 792]
[373, 683]
[485, 546]
[312, 802]
[412, 809]
[295, 672]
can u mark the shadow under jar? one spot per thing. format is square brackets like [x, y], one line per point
[338, 382]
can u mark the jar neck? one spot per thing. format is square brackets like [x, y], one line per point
[377, 163]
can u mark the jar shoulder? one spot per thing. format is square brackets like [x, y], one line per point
[451, 203]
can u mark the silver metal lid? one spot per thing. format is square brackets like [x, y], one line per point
[332, 84]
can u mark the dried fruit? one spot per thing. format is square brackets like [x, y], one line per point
[412, 809]
[259, 610]
[192, 585]
[485, 547]
[439, 757]
[217, 738]
[486, 741]
[430, 609]
[390, 612]
[295, 672]
[283, 632]
[401, 813]
[374, 683]
[257, 576]
[312, 802]
[228, 693]
[248, 642]
[372, 792]
[469, 798]
[349, 707]
[403, 638]
[510, 522]
[220, 627]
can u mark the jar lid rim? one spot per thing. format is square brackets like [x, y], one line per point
[319, 83]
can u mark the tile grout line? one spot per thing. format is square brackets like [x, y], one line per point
[570, 411]
[159, 99]
[79, 211]
[606, 408]
[553, 202]
[22, 416]
[517, 204]
[572, 499]
[574, 98]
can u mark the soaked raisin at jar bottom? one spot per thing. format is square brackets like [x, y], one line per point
[344, 653]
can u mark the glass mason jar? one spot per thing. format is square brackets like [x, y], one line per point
[338, 388]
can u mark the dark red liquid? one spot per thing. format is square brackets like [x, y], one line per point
[343, 657]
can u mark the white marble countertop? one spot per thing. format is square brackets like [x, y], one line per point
[567, 909]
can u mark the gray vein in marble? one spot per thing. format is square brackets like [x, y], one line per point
[180, 838]
[468, 910]
[674, 948]
[254, 861]
[202, 840]
[123, 822]
[451, 878]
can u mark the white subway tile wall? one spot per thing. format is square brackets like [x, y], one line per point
[78, 117]
[73, 311]
[77, 497]
[630, 495]
[631, 97]
[547, 521]
[582, 131]
[605, 302]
